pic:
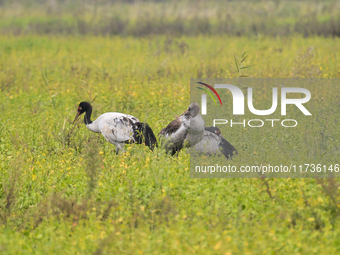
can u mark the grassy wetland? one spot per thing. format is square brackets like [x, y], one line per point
[62, 188]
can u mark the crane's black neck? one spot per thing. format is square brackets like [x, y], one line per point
[87, 117]
[88, 111]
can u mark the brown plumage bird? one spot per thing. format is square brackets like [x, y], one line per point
[184, 131]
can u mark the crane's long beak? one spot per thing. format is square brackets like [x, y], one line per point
[77, 116]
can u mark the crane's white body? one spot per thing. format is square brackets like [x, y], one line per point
[117, 128]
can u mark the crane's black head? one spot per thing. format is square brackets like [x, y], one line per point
[214, 130]
[83, 107]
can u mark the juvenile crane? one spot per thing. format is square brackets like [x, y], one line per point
[118, 128]
[213, 143]
[184, 131]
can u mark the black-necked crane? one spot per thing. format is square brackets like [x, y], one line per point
[214, 143]
[118, 128]
[184, 131]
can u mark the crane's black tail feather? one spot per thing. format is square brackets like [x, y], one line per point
[227, 149]
[144, 134]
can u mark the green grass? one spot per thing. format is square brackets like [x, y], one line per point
[144, 202]
[149, 17]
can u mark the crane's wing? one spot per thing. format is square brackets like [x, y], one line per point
[117, 127]
[172, 128]
[175, 131]
[209, 144]
[174, 135]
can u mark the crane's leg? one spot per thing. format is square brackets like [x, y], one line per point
[119, 147]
